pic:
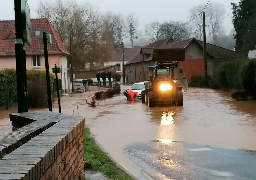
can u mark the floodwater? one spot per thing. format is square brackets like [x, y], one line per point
[208, 117]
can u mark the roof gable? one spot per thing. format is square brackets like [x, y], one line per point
[8, 34]
[212, 50]
[7, 48]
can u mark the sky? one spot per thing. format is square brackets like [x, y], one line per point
[146, 10]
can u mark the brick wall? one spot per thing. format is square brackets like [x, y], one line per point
[56, 153]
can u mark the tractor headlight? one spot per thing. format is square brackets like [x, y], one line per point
[165, 87]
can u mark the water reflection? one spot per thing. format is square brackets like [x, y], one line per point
[167, 118]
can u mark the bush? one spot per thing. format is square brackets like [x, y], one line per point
[249, 79]
[116, 77]
[237, 74]
[37, 92]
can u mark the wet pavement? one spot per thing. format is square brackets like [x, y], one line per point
[208, 117]
[175, 142]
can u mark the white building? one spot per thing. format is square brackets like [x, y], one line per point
[252, 54]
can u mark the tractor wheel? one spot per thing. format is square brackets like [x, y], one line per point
[179, 102]
[143, 98]
[150, 102]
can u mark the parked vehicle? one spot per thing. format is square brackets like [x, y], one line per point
[138, 88]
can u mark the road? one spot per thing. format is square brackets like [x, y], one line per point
[198, 141]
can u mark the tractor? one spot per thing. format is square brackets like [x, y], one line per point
[167, 78]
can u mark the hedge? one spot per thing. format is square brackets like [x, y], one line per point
[237, 74]
[37, 93]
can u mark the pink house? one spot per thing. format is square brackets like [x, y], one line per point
[35, 52]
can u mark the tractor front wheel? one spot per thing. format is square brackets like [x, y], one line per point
[143, 98]
[151, 102]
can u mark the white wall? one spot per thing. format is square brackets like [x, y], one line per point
[252, 54]
[66, 85]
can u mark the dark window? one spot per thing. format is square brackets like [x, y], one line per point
[38, 33]
[10, 37]
[36, 61]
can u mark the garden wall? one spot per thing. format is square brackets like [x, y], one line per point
[50, 147]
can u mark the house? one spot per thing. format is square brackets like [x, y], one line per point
[193, 64]
[252, 54]
[35, 52]
[114, 63]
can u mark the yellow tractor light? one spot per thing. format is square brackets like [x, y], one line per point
[165, 87]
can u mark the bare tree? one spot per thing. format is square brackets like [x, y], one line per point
[132, 27]
[197, 23]
[81, 28]
[214, 14]
[175, 30]
[152, 31]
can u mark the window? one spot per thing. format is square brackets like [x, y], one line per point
[10, 37]
[36, 61]
[38, 33]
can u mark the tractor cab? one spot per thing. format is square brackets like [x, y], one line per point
[167, 79]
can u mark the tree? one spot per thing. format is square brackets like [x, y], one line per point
[132, 26]
[152, 31]
[117, 25]
[244, 22]
[215, 13]
[197, 23]
[175, 30]
[225, 41]
[81, 28]
[214, 17]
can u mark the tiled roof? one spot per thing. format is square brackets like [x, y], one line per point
[155, 45]
[116, 54]
[219, 52]
[213, 51]
[7, 47]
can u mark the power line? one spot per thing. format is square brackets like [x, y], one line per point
[198, 14]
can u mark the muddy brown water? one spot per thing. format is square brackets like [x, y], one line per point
[208, 117]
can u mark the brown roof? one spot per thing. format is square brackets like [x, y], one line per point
[155, 45]
[117, 54]
[7, 46]
[219, 52]
[214, 51]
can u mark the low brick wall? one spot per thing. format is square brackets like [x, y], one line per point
[56, 153]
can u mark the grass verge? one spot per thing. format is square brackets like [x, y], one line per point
[97, 160]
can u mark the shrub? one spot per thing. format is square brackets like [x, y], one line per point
[249, 79]
[116, 77]
[37, 92]
[237, 74]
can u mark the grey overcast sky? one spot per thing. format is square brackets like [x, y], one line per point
[146, 10]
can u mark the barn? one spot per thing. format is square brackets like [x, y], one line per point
[136, 69]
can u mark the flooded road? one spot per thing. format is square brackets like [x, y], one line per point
[208, 117]
[156, 143]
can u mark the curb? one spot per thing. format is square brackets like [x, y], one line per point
[114, 160]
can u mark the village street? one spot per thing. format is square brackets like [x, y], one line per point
[173, 142]
[152, 145]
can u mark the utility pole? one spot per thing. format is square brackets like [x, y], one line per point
[71, 58]
[20, 57]
[143, 71]
[123, 64]
[205, 51]
[47, 72]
